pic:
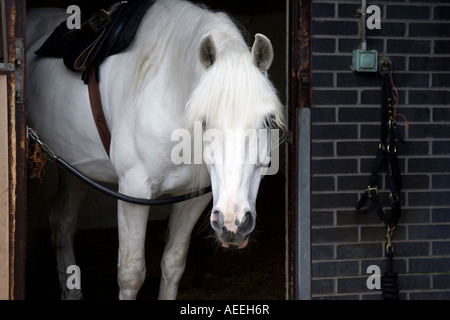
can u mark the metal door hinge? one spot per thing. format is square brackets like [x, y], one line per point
[19, 71]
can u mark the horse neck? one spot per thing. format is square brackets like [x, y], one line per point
[168, 42]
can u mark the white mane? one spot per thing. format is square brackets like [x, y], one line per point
[233, 93]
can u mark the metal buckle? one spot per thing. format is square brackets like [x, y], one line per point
[392, 148]
[392, 123]
[394, 197]
[98, 21]
[370, 189]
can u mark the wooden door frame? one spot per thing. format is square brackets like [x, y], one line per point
[13, 67]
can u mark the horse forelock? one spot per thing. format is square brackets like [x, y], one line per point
[233, 93]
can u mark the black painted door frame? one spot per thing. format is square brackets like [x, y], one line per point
[298, 176]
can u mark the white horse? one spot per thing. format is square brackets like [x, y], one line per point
[186, 66]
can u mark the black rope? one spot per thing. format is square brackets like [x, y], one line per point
[389, 285]
[120, 196]
[148, 202]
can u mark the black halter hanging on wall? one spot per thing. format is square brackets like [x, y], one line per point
[386, 158]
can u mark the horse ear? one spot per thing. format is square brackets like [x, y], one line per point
[262, 52]
[207, 51]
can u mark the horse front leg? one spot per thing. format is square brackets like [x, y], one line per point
[63, 221]
[182, 220]
[132, 225]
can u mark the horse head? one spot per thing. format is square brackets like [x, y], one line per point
[239, 111]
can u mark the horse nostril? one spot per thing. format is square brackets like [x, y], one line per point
[247, 222]
[217, 220]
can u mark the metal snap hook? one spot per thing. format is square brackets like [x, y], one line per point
[385, 66]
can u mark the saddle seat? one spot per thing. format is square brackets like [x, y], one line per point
[105, 33]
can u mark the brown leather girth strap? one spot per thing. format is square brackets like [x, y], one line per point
[97, 109]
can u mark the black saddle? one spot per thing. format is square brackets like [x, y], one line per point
[105, 33]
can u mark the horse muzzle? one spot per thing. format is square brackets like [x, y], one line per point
[233, 245]
[233, 232]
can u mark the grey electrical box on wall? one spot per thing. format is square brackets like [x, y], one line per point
[365, 60]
